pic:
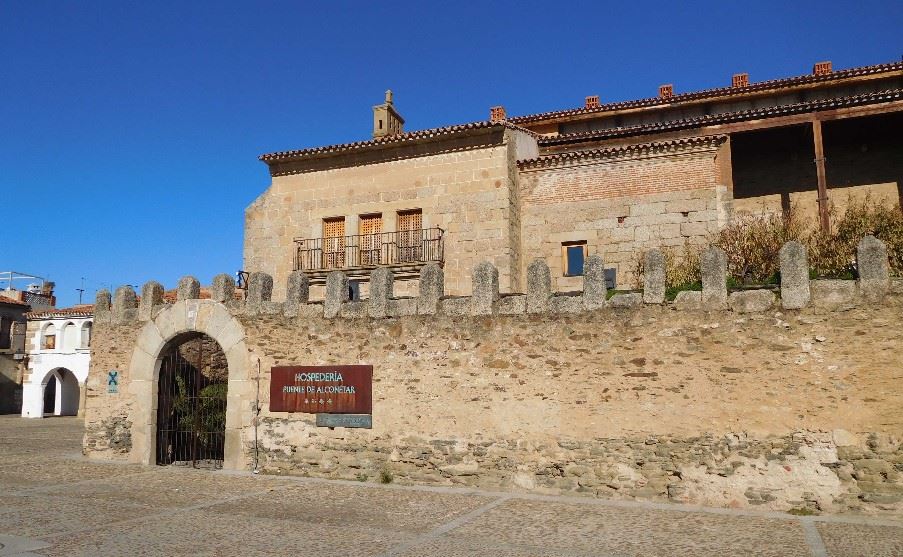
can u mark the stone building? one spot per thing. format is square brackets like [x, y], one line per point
[59, 354]
[605, 178]
[12, 352]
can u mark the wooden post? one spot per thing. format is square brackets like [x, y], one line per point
[822, 179]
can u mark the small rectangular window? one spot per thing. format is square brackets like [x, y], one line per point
[573, 255]
[354, 290]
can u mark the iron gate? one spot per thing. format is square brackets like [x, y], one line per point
[191, 404]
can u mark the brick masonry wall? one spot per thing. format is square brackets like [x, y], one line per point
[777, 410]
[622, 207]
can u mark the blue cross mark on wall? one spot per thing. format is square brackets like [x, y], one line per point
[113, 382]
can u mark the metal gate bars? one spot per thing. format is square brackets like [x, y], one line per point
[191, 404]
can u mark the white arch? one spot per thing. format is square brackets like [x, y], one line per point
[67, 395]
[85, 338]
[68, 340]
[188, 316]
[48, 331]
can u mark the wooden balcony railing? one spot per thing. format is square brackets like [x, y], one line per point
[403, 248]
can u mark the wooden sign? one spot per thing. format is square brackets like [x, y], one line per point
[322, 389]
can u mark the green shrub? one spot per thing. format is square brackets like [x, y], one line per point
[385, 476]
[671, 292]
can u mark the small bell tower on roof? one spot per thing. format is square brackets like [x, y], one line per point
[387, 120]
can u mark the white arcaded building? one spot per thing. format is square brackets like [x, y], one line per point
[58, 347]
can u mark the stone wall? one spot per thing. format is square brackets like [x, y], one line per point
[463, 187]
[720, 398]
[622, 201]
[10, 385]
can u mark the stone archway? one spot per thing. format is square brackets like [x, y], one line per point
[61, 393]
[183, 318]
[191, 403]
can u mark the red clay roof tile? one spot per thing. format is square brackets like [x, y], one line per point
[389, 139]
[11, 302]
[726, 117]
[713, 93]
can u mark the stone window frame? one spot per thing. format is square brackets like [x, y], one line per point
[565, 247]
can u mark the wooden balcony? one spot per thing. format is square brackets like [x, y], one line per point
[405, 252]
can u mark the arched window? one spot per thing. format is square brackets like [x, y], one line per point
[48, 338]
[86, 334]
[69, 339]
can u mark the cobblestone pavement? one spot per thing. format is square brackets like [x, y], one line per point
[53, 502]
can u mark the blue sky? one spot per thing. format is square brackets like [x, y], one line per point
[129, 132]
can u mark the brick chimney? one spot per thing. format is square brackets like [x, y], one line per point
[822, 68]
[666, 91]
[496, 113]
[592, 102]
[387, 120]
[740, 80]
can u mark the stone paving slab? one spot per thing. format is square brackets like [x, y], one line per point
[59, 505]
[334, 505]
[18, 546]
[42, 515]
[165, 488]
[590, 529]
[861, 540]
[37, 473]
[209, 533]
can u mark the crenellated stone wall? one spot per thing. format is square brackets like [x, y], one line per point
[782, 398]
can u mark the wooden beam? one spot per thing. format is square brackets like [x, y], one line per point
[805, 118]
[822, 178]
[735, 127]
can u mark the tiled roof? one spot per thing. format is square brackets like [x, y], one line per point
[83, 310]
[389, 139]
[713, 93]
[554, 159]
[727, 117]
[11, 302]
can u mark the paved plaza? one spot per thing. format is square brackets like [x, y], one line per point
[53, 502]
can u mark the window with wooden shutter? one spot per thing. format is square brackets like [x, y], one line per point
[410, 247]
[370, 229]
[334, 243]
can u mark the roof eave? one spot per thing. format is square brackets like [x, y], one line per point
[753, 91]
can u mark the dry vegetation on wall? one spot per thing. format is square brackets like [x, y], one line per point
[753, 242]
[834, 255]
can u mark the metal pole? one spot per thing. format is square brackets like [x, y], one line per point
[256, 419]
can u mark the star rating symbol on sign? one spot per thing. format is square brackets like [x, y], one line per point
[321, 401]
[329, 401]
[306, 401]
